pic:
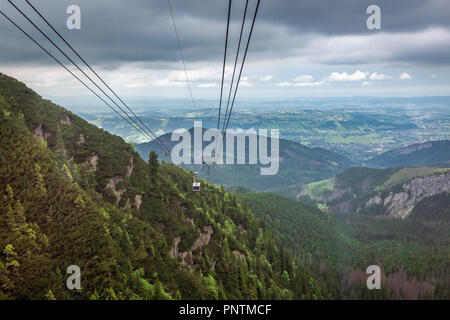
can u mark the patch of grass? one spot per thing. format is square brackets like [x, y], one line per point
[317, 190]
[6, 114]
[322, 206]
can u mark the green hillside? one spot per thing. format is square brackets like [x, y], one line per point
[313, 234]
[414, 254]
[73, 194]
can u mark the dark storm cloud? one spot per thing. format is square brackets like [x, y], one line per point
[114, 32]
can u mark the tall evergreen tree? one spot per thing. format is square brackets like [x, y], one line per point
[153, 166]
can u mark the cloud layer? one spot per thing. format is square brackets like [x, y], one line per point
[296, 44]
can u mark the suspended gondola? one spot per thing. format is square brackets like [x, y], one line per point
[195, 184]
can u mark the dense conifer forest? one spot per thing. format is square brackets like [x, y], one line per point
[413, 254]
[73, 194]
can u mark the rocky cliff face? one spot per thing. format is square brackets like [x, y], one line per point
[400, 204]
[394, 192]
[187, 257]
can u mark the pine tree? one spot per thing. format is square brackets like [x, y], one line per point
[153, 166]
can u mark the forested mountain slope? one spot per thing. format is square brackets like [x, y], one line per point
[73, 194]
[397, 192]
[419, 154]
[413, 254]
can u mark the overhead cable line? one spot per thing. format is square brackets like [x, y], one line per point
[181, 52]
[224, 62]
[62, 65]
[90, 68]
[243, 62]
[76, 65]
[235, 62]
[73, 62]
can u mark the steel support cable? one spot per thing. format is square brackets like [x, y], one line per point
[235, 62]
[76, 65]
[243, 62]
[93, 71]
[62, 65]
[224, 62]
[181, 52]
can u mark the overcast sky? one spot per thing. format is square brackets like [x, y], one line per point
[300, 48]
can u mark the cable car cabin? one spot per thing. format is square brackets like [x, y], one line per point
[196, 186]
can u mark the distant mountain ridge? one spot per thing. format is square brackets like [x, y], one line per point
[419, 154]
[298, 165]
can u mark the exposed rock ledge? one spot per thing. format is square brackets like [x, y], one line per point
[65, 120]
[401, 204]
[130, 168]
[81, 139]
[93, 160]
[112, 184]
[138, 201]
[40, 134]
[187, 257]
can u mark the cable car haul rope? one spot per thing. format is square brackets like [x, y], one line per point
[228, 112]
[135, 121]
[229, 108]
[141, 127]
